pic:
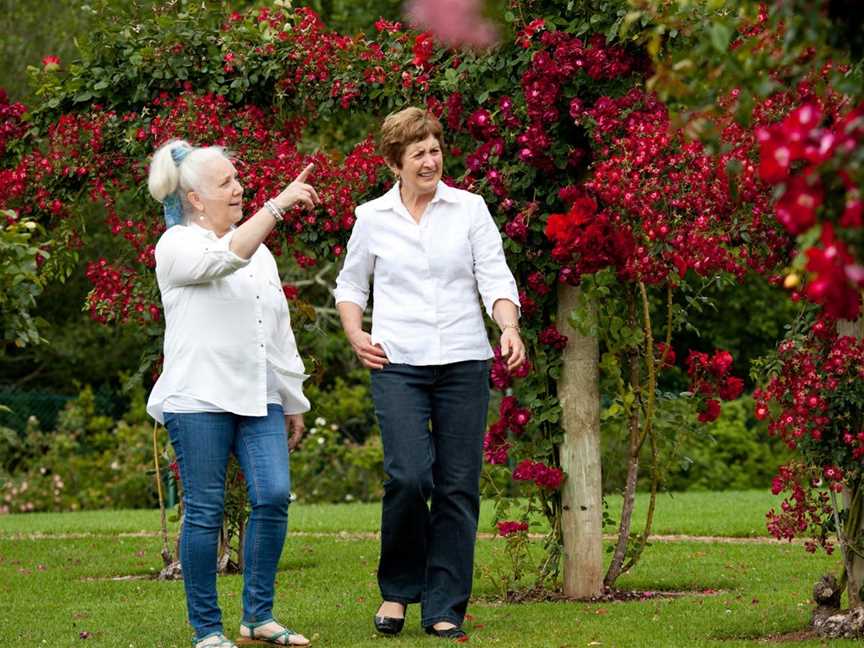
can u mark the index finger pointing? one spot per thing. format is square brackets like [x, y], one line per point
[305, 173]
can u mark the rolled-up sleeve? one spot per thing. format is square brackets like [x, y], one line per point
[352, 284]
[183, 258]
[494, 279]
[294, 401]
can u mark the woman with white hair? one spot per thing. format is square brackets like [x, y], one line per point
[232, 378]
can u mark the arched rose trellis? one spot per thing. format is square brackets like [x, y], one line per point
[606, 211]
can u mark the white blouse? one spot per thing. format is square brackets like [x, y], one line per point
[227, 328]
[427, 278]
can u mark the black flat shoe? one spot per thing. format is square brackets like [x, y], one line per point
[448, 633]
[389, 625]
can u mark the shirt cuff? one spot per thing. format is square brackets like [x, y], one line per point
[489, 303]
[294, 401]
[351, 295]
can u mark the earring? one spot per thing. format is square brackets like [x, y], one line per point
[201, 217]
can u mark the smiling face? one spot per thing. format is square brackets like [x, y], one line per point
[421, 166]
[220, 198]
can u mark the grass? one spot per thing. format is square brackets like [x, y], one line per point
[54, 588]
[734, 514]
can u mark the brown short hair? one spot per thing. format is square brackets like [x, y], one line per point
[403, 128]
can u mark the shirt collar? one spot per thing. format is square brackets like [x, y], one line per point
[393, 201]
[203, 231]
[446, 193]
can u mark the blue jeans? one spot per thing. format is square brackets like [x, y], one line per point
[203, 443]
[432, 421]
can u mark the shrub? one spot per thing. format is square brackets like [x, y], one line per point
[93, 461]
[330, 468]
[89, 461]
[735, 452]
[341, 459]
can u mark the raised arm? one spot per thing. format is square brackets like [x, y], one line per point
[248, 236]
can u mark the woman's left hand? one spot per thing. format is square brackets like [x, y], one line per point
[512, 348]
[295, 427]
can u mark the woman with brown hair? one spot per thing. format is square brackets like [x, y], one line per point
[433, 254]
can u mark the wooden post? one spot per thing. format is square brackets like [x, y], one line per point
[579, 393]
[855, 564]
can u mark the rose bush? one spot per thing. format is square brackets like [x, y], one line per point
[790, 73]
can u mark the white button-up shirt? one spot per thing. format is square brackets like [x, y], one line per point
[226, 328]
[427, 277]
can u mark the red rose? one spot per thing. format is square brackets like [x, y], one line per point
[290, 291]
[796, 209]
[50, 63]
[710, 411]
[424, 46]
[721, 363]
[731, 389]
[509, 527]
[525, 470]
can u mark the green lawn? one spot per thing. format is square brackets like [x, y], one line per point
[738, 514]
[54, 588]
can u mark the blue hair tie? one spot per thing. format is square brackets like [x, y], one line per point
[179, 153]
[172, 206]
[173, 210]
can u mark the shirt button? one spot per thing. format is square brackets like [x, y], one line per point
[257, 296]
[259, 321]
[262, 346]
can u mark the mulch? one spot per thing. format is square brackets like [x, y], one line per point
[610, 595]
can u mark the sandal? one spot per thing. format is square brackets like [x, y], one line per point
[214, 640]
[284, 637]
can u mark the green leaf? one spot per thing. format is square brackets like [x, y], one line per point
[613, 410]
[612, 32]
[720, 35]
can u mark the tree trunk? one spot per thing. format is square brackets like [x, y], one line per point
[854, 562]
[620, 553]
[582, 499]
[634, 446]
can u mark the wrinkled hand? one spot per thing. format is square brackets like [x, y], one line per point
[512, 348]
[298, 191]
[295, 427]
[371, 355]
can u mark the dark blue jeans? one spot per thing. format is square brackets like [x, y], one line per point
[203, 442]
[432, 421]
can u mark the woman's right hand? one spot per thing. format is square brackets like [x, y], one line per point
[371, 355]
[298, 191]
